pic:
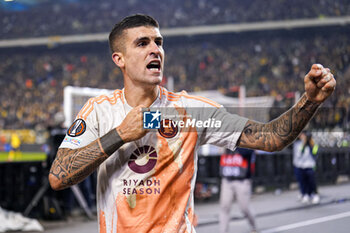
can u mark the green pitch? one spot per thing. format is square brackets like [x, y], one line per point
[23, 157]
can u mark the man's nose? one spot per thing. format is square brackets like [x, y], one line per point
[155, 49]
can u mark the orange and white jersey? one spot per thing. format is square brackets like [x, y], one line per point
[147, 185]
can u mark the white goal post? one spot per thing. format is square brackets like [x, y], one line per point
[256, 108]
[74, 99]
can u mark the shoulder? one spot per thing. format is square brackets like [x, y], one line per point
[192, 100]
[111, 98]
[101, 101]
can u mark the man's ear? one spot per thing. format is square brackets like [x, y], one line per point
[118, 59]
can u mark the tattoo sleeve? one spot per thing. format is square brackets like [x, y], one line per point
[72, 166]
[280, 132]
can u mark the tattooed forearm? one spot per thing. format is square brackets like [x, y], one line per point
[277, 134]
[71, 166]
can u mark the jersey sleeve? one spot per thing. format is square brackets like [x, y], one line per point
[84, 129]
[217, 126]
[226, 129]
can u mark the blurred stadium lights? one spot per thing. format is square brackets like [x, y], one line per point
[185, 31]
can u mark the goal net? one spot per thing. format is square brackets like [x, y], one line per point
[256, 108]
[74, 99]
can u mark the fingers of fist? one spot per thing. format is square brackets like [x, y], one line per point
[141, 108]
[322, 77]
[136, 114]
[132, 128]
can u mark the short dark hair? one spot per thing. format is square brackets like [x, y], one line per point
[131, 21]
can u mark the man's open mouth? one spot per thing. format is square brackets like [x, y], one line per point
[154, 66]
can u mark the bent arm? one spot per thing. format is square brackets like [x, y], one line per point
[280, 132]
[72, 166]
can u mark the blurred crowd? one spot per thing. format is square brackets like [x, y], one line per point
[32, 79]
[90, 16]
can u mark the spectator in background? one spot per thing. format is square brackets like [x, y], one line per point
[304, 161]
[15, 152]
[2, 142]
[80, 17]
[236, 168]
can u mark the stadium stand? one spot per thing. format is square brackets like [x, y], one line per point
[81, 17]
[258, 60]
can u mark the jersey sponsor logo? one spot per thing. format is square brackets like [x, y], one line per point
[143, 159]
[168, 128]
[77, 128]
[141, 187]
[151, 119]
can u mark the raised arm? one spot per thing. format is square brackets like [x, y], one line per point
[280, 132]
[71, 166]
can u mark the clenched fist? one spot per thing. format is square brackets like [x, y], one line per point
[131, 128]
[319, 83]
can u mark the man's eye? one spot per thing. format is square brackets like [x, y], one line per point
[141, 44]
[159, 43]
